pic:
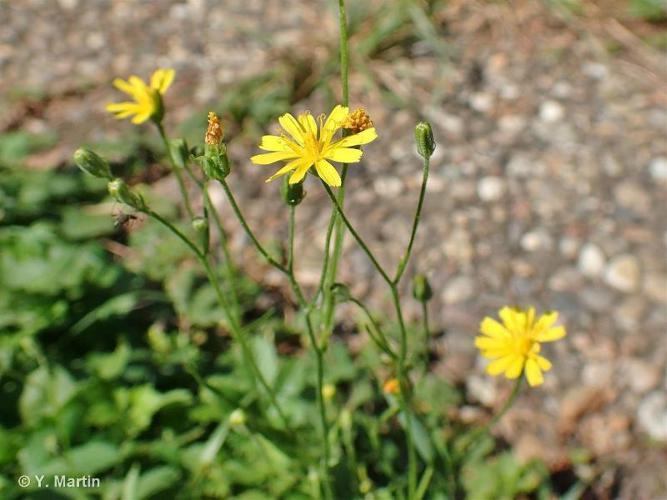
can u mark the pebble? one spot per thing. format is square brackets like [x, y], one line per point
[538, 240]
[551, 111]
[633, 196]
[591, 260]
[643, 376]
[623, 273]
[652, 415]
[491, 188]
[458, 289]
[483, 389]
[655, 286]
[658, 168]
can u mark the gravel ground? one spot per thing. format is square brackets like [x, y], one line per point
[548, 187]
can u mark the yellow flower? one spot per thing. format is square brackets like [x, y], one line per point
[514, 345]
[147, 98]
[303, 146]
[391, 386]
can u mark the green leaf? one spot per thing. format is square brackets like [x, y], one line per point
[45, 393]
[88, 459]
[156, 480]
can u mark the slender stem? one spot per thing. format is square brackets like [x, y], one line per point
[415, 223]
[344, 52]
[325, 264]
[235, 328]
[404, 400]
[251, 235]
[177, 171]
[427, 334]
[319, 357]
[354, 233]
[480, 431]
[380, 339]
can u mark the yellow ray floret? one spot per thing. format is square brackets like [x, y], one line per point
[513, 345]
[307, 143]
[147, 98]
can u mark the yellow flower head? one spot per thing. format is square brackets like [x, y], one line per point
[304, 145]
[514, 345]
[147, 98]
[214, 132]
[358, 121]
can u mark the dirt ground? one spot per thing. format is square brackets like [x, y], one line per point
[548, 187]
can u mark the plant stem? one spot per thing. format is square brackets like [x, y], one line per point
[234, 327]
[319, 357]
[177, 171]
[427, 334]
[415, 223]
[380, 339]
[251, 235]
[404, 400]
[344, 52]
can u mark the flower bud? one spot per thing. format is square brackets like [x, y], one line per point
[341, 292]
[421, 288]
[328, 391]
[237, 418]
[92, 163]
[215, 163]
[292, 194]
[121, 193]
[424, 138]
[178, 149]
[200, 225]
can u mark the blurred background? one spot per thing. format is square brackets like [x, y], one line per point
[548, 187]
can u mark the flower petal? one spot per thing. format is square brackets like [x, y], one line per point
[161, 79]
[499, 365]
[512, 319]
[267, 158]
[515, 369]
[308, 123]
[492, 328]
[344, 155]
[483, 342]
[543, 363]
[274, 143]
[533, 373]
[333, 122]
[287, 168]
[552, 334]
[363, 137]
[124, 86]
[328, 173]
[299, 173]
[292, 127]
[141, 118]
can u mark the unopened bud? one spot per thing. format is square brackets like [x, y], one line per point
[424, 138]
[200, 225]
[237, 418]
[328, 391]
[178, 149]
[341, 292]
[92, 163]
[292, 194]
[121, 193]
[421, 288]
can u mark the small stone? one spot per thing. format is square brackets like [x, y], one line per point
[483, 389]
[458, 289]
[652, 415]
[491, 188]
[591, 261]
[623, 273]
[655, 286]
[388, 186]
[569, 247]
[642, 375]
[551, 111]
[658, 168]
[632, 196]
[481, 101]
[538, 240]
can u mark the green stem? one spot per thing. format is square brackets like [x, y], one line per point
[344, 52]
[319, 357]
[380, 339]
[177, 171]
[427, 334]
[251, 235]
[415, 223]
[235, 328]
[403, 351]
